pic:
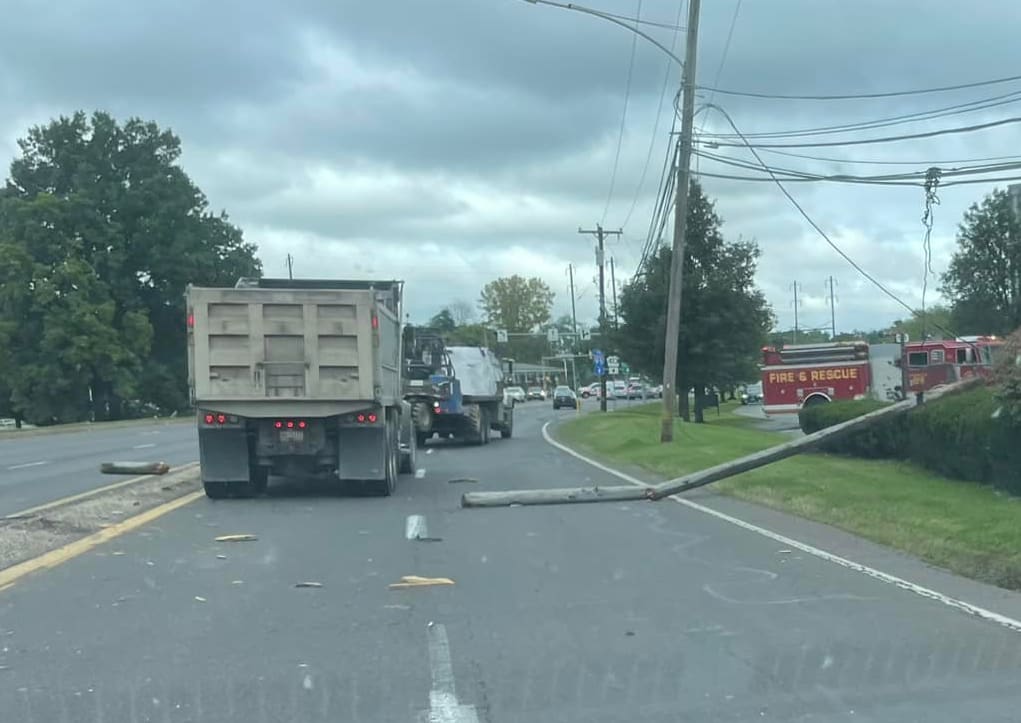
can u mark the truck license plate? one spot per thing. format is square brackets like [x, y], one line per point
[292, 435]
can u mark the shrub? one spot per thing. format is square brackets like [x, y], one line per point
[966, 436]
[884, 439]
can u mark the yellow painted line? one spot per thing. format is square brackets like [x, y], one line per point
[73, 549]
[96, 491]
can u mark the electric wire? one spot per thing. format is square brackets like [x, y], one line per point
[623, 119]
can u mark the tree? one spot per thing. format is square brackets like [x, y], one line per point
[462, 311]
[517, 304]
[933, 324]
[724, 318]
[443, 321]
[983, 281]
[100, 232]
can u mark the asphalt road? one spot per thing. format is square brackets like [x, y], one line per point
[36, 469]
[610, 612]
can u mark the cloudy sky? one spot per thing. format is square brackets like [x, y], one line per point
[449, 142]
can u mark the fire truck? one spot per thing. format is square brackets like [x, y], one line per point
[799, 375]
[933, 363]
[803, 374]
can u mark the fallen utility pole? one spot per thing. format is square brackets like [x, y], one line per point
[713, 474]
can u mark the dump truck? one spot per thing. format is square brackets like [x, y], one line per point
[456, 391]
[299, 378]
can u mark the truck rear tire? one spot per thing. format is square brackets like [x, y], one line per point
[408, 461]
[386, 486]
[508, 428]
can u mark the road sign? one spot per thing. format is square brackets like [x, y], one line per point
[501, 336]
[599, 369]
[597, 356]
[585, 334]
[552, 334]
[613, 359]
[613, 368]
[625, 369]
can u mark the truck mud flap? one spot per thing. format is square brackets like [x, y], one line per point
[362, 453]
[223, 455]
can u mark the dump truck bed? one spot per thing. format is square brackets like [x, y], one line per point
[262, 347]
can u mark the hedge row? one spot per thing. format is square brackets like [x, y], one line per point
[965, 436]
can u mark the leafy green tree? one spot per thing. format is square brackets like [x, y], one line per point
[443, 321]
[724, 318]
[516, 304]
[934, 324]
[100, 232]
[983, 281]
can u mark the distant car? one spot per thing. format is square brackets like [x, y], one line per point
[657, 391]
[617, 390]
[536, 393]
[589, 390]
[752, 394]
[516, 393]
[564, 397]
[637, 390]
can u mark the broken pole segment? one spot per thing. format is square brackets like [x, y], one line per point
[554, 496]
[137, 468]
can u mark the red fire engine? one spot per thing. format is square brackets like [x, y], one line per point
[932, 363]
[803, 374]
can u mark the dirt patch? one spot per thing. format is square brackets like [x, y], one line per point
[27, 536]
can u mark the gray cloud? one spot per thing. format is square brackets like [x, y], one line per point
[453, 141]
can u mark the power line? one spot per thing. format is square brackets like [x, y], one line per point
[655, 127]
[866, 141]
[719, 68]
[623, 118]
[931, 114]
[854, 264]
[858, 96]
[873, 162]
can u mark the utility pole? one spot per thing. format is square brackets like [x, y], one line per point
[795, 287]
[574, 313]
[613, 286]
[290, 266]
[601, 235]
[673, 317]
[833, 310]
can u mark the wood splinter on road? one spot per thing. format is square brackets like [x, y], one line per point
[136, 468]
[416, 581]
[712, 474]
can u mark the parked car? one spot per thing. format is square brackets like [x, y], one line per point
[656, 391]
[637, 390]
[516, 393]
[537, 393]
[565, 397]
[616, 390]
[589, 390]
[752, 394]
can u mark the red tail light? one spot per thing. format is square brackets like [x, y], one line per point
[375, 321]
[221, 419]
[372, 418]
[191, 319]
[302, 424]
[278, 425]
[361, 418]
[290, 424]
[209, 419]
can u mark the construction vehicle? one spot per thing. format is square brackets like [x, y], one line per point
[456, 391]
[298, 378]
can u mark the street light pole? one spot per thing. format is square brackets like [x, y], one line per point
[673, 318]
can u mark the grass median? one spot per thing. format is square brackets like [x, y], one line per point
[967, 528]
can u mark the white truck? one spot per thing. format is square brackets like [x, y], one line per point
[298, 377]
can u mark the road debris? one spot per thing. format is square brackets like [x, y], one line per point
[236, 538]
[463, 480]
[237, 582]
[429, 539]
[221, 557]
[308, 584]
[136, 468]
[416, 581]
[199, 598]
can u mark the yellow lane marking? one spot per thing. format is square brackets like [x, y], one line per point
[96, 491]
[73, 549]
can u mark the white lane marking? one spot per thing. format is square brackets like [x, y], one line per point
[872, 572]
[415, 527]
[27, 465]
[143, 446]
[420, 473]
[443, 704]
